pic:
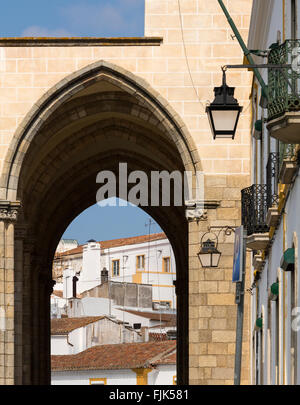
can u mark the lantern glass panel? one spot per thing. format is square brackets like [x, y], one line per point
[215, 259]
[205, 259]
[224, 120]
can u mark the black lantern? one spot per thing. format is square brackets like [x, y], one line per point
[209, 255]
[224, 112]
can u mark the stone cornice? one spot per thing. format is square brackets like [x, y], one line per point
[80, 41]
[197, 209]
[9, 210]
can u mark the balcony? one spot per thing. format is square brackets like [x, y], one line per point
[254, 213]
[284, 92]
[272, 172]
[288, 163]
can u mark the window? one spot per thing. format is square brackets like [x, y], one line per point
[115, 268]
[140, 262]
[166, 264]
[98, 381]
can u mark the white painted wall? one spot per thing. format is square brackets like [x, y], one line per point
[68, 275]
[90, 275]
[58, 306]
[89, 306]
[163, 375]
[59, 345]
[114, 377]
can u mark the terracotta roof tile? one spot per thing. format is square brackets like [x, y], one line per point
[167, 359]
[116, 243]
[112, 357]
[157, 337]
[61, 326]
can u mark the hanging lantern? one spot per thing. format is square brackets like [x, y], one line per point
[224, 112]
[209, 255]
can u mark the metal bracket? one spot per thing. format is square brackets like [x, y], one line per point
[259, 66]
[238, 292]
[227, 229]
[266, 66]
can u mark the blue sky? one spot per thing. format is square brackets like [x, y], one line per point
[72, 18]
[104, 223]
[102, 18]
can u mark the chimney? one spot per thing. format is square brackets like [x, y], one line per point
[145, 334]
[67, 283]
[104, 276]
[90, 273]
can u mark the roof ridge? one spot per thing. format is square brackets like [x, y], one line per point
[80, 247]
[160, 356]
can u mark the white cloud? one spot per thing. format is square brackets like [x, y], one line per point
[37, 31]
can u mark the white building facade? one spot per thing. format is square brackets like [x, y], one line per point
[145, 259]
[270, 206]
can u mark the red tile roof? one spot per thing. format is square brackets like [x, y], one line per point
[116, 243]
[157, 337]
[113, 357]
[167, 359]
[62, 326]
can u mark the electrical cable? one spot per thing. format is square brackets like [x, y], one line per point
[186, 57]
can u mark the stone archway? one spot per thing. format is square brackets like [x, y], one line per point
[90, 121]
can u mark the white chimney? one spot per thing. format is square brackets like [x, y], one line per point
[68, 283]
[90, 275]
[145, 334]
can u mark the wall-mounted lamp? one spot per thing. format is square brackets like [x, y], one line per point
[209, 255]
[224, 112]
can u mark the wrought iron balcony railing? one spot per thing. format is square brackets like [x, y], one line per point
[254, 208]
[284, 84]
[272, 179]
[286, 151]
